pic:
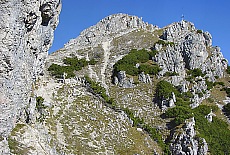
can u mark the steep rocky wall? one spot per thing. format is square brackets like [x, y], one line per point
[190, 49]
[26, 34]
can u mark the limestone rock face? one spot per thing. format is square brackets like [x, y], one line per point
[186, 48]
[186, 143]
[26, 34]
[189, 49]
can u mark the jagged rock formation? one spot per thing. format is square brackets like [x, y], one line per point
[191, 49]
[26, 34]
[188, 48]
[186, 142]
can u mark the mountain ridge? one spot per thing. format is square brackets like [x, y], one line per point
[127, 87]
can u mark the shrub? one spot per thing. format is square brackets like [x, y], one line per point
[73, 64]
[153, 133]
[40, 108]
[216, 133]
[152, 54]
[183, 102]
[39, 103]
[164, 90]
[211, 100]
[187, 94]
[219, 83]
[200, 94]
[199, 31]
[228, 70]
[226, 109]
[214, 108]
[195, 72]
[149, 69]
[209, 84]
[163, 43]
[99, 90]
[137, 121]
[171, 74]
[202, 109]
[179, 113]
[227, 90]
[128, 62]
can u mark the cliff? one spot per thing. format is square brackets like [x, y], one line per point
[26, 34]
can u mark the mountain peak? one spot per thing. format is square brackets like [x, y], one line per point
[111, 26]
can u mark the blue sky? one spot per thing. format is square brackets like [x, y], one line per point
[208, 15]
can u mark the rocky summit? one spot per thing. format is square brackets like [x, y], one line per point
[123, 86]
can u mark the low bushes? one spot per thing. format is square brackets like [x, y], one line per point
[216, 133]
[164, 90]
[195, 72]
[164, 43]
[72, 64]
[228, 70]
[149, 69]
[199, 31]
[128, 63]
[39, 103]
[226, 109]
[97, 89]
[179, 113]
[171, 74]
[227, 90]
[153, 133]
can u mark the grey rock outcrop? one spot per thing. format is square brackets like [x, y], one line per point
[186, 142]
[210, 116]
[189, 49]
[26, 34]
[123, 81]
[169, 102]
[145, 78]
